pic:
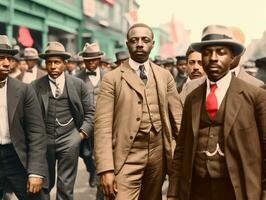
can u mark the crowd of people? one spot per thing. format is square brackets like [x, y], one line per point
[198, 119]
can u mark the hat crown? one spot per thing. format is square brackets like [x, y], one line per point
[91, 48]
[30, 52]
[55, 46]
[4, 40]
[216, 32]
[121, 55]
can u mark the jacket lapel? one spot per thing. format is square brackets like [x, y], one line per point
[44, 91]
[12, 99]
[71, 91]
[197, 101]
[130, 76]
[233, 104]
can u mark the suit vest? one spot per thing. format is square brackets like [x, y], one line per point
[211, 139]
[59, 117]
[150, 109]
[93, 90]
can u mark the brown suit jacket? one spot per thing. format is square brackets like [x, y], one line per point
[244, 141]
[118, 106]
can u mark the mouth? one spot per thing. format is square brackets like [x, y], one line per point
[196, 74]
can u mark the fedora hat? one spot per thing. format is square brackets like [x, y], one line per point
[91, 51]
[218, 35]
[75, 59]
[31, 54]
[5, 46]
[55, 49]
[121, 55]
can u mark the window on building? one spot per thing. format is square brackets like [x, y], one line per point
[102, 10]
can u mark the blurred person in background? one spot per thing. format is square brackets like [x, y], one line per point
[14, 66]
[121, 56]
[169, 64]
[181, 65]
[105, 64]
[73, 64]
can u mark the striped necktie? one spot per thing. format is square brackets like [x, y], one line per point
[57, 89]
[142, 74]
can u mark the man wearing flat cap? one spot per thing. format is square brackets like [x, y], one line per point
[68, 114]
[23, 165]
[33, 72]
[221, 151]
[92, 76]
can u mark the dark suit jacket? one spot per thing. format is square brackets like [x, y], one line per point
[27, 129]
[244, 141]
[82, 108]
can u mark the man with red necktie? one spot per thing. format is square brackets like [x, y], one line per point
[220, 151]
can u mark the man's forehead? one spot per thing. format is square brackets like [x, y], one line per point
[55, 58]
[140, 32]
[5, 55]
[214, 47]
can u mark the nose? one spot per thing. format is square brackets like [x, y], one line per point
[140, 43]
[213, 56]
[53, 65]
[6, 62]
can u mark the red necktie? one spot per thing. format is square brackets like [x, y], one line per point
[211, 102]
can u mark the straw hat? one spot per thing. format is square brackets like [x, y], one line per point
[31, 54]
[91, 51]
[5, 46]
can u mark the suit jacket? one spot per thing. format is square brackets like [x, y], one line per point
[244, 141]
[81, 107]
[118, 106]
[26, 126]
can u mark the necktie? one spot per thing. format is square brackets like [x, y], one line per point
[2, 84]
[91, 73]
[211, 102]
[29, 70]
[142, 74]
[57, 89]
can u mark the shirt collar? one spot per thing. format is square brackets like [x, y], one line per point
[135, 65]
[224, 82]
[5, 86]
[236, 70]
[60, 79]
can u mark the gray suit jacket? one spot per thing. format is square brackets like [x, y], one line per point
[26, 126]
[81, 107]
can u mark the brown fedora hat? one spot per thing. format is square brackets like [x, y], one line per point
[218, 35]
[31, 54]
[91, 51]
[55, 49]
[5, 46]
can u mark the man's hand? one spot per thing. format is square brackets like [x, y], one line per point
[34, 184]
[107, 181]
[83, 135]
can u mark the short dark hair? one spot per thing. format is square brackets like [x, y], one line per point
[139, 25]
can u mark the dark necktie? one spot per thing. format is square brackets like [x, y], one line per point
[234, 73]
[57, 89]
[2, 83]
[142, 74]
[91, 73]
[211, 102]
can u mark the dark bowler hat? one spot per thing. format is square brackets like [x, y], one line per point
[5, 46]
[218, 35]
[121, 55]
[91, 51]
[55, 49]
[181, 57]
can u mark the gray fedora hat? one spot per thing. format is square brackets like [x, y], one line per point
[91, 51]
[5, 46]
[31, 54]
[55, 49]
[121, 55]
[218, 35]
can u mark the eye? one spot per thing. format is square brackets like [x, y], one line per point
[191, 62]
[146, 40]
[205, 52]
[133, 40]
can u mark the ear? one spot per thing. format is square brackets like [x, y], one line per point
[153, 42]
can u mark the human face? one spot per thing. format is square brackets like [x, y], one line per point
[181, 66]
[70, 66]
[92, 64]
[55, 66]
[194, 65]
[4, 66]
[216, 61]
[31, 63]
[140, 44]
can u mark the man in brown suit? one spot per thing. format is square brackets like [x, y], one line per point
[220, 151]
[133, 133]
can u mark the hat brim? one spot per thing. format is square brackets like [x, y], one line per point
[238, 49]
[83, 54]
[11, 52]
[47, 55]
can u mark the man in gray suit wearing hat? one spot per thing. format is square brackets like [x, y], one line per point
[221, 151]
[23, 165]
[68, 114]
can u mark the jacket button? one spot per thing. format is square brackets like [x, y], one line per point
[138, 119]
[131, 137]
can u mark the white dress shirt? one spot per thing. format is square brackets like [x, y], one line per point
[4, 125]
[135, 66]
[28, 77]
[60, 81]
[236, 70]
[95, 79]
[222, 87]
